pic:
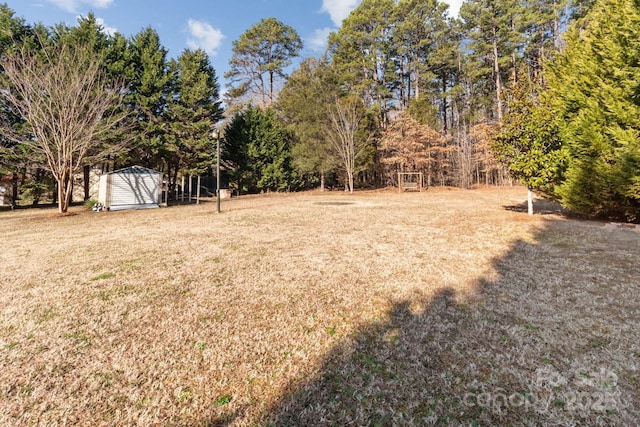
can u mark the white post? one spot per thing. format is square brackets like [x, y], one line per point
[198, 192]
[182, 197]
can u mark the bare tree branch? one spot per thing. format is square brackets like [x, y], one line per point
[345, 119]
[70, 107]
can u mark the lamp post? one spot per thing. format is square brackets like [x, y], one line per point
[216, 135]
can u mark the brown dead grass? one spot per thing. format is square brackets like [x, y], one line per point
[378, 308]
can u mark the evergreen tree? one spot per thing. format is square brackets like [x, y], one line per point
[259, 59]
[258, 149]
[494, 31]
[594, 87]
[14, 157]
[361, 52]
[426, 55]
[148, 89]
[529, 143]
[303, 104]
[193, 109]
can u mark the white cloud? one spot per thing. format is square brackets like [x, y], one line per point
[72, 5]
[204, 36]
[317, 42]
[105, 28]
[454, 7]
[338, 9]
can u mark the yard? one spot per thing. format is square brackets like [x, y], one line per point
[446, 307]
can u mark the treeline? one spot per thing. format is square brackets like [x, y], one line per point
[166, 107]
[402, 88]
[543, 91]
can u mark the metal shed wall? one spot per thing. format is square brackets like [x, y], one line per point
[131, 188]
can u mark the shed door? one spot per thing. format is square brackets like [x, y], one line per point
[134, 189]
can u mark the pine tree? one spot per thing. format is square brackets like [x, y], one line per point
[493, 30]
[14, 157]
[361, 54]
[259, 59]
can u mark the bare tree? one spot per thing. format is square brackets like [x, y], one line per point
[345, 134]
[69, 105]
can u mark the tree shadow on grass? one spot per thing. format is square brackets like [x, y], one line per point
[551, 340]
[543, 207]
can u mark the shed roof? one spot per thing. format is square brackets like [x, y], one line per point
[135, 170]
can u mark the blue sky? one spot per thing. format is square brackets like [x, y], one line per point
[208, 24]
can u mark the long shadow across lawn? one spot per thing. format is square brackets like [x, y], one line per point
[553, 340]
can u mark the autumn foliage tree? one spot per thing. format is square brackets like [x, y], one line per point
[408, 146]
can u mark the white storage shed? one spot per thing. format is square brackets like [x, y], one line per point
[134, 187]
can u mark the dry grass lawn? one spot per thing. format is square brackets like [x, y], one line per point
[446, 307]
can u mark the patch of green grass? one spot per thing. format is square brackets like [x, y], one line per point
[103, 276]
[46, 314]
[104, 379]
[104, 296]
[143, 403]
[80, 337]
[11, 345]
[186, 394]
[26, 390]
[223, 400]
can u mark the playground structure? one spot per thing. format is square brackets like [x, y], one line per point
[410, 181]
[192, 188]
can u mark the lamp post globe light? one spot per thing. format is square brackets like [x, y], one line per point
[215, 134]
